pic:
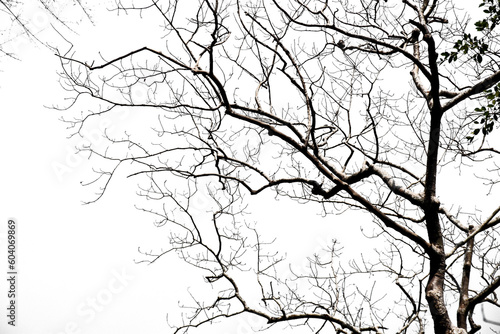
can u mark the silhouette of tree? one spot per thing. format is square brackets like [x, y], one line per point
[348, 105]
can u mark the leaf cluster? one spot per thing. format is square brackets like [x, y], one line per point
[464, 45]
[479, 47]
[489, 113]
[492, 10]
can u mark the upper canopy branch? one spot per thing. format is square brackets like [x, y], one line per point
[127, 55]
[369, 39]
[478, 88]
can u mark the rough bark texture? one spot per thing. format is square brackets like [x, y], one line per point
[463, 305]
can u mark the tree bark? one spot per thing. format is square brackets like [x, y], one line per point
[434, 291]
[463, 305]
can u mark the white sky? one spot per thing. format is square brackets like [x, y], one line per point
[71, 255]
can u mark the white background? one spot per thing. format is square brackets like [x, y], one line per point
[76, 263]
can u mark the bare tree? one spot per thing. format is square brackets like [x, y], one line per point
[347, 105]
[16, 21]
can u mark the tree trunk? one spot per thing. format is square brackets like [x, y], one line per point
[464, 290]
[434, 291]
